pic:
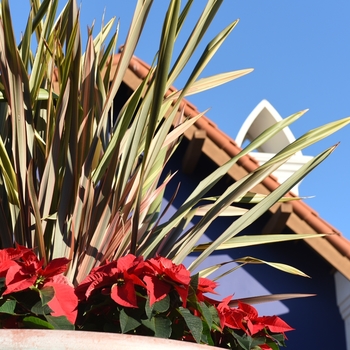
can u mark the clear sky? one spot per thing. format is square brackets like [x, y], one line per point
[301, 55]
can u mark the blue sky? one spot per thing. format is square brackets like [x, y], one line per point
[301, 59]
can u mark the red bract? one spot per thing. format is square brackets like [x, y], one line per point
[161, 275]
[246, 317]
[8, 257]
[98, 277]
[156, 288]
[273, 323]
[121, 275]
[64, 302]
[230, 317]
[54, 268]
[265, 347]
[28, 271]
[17, 279]
[256, 323]
[123, 292]
[5, 264]
[205, 285]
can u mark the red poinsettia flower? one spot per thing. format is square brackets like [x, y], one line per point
[274, 323]
[256, 323]
[230, 317]
[121, 275]
[22, 269]
[28, 271]
[161, 275]
[246, 317]
[205, 285]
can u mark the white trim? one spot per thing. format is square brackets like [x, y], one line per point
[262, 117]
[285, 170]
[342, 287]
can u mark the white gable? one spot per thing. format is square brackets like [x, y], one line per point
[262, 117]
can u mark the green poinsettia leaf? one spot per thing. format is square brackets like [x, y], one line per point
[158, 307]
[206, 314]
[46, 294]
[148, 309]
[249, 343]
[272, 345]
[194, 323]
[214, 314]
[8, 307]
[206, 335]
[279, 338]
[179, 328]
[162, 305]
[127, 322]
[60, 322]
[244, 341]
[40, 309]
[149, 324]
[36, 323]
[162, 327]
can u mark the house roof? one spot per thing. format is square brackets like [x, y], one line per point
[220, 147]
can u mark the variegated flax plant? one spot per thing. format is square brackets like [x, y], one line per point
[79, 182]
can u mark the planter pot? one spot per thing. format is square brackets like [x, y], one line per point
[40, 339]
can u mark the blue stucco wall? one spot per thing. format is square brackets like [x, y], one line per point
[316, 319]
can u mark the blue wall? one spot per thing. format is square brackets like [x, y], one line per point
[316, 319]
